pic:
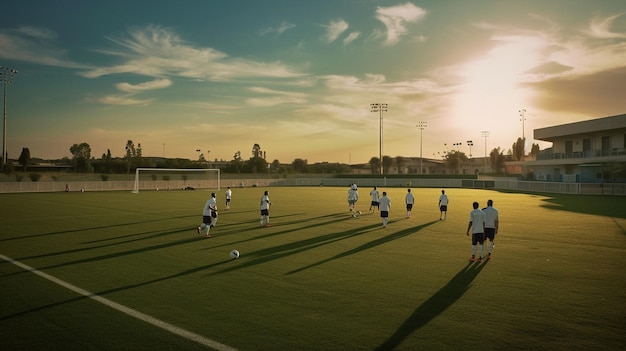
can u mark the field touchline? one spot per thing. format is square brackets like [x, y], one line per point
[129, 311]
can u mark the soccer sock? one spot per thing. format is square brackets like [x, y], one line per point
[490, 247]
[473, 250]
[262, 218]
[480, 249]
[267, 219]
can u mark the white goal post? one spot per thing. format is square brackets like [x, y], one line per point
[176, 178]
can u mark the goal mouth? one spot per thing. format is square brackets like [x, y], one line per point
[176, 179]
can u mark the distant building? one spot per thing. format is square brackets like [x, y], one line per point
[592, 151]
[412, 165]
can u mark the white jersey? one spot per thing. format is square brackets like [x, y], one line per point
[491, 216]
[374, 194]
[443, 200]
[409, 199]
[265, 202]
[353, 195]
[477, 217]
[228, 194]
[209, 207]
[384, 203]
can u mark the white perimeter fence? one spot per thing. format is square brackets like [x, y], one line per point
[147, 185]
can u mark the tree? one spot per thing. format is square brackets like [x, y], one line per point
[256, 164]
[276, 166]
[256, 151]
[299, 165]
[518, 149]
[496, 160]
[375, 165]
[454, 159]
[534, 150]
[133, 155]
[24, 159]
[236, 165]
[81, 154]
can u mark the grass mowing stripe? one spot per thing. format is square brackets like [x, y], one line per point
[129, 311]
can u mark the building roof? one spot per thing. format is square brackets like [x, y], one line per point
[589, 126]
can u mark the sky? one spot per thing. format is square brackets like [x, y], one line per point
[298, 77]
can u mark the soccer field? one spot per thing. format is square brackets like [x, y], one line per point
[123, 271]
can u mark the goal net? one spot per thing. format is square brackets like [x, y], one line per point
[176, 179]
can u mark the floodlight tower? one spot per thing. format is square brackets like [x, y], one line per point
[470, 144]
[6, 75]
[380, 107]
[421, 125]
[522, 114]
[485, 134]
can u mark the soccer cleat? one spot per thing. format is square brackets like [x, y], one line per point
[268, 225]
[198, 230]
[488, 256]
[472, 259]
[480, 259]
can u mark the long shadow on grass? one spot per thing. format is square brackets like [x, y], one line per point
[115, 254]
[163, 219]
[611, 206]
[369, 245]
[277, 252]
[262, 256]
[272, 233]
[435, 305]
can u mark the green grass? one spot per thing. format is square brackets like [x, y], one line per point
[317, 279]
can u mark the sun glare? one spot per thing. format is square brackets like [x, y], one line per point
[491, 93]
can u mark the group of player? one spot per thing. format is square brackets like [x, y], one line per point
[483, 223]
[210, 214]
[383, 203]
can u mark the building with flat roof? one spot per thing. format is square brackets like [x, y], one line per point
[592, 151]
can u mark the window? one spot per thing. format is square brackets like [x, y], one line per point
[606, 145]
[569, 148]
[586, 146]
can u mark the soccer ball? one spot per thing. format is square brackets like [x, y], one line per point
[358, 212]
[234, 254]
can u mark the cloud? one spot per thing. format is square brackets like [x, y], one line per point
[279, 30]
[351, 37]
[601, 28]
[278, 98]
[396, 18]
[36, 45]
[137, 88]
[123, 100]
[334, 30]
[158, 52]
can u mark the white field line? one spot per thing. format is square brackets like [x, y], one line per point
[129, 311]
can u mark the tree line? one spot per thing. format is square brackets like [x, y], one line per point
[83, 162]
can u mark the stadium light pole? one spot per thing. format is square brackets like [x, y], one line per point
[380, 108]
[6, 74]
[421, 125]
[485, 134]
[470, 144]
[522, 114]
